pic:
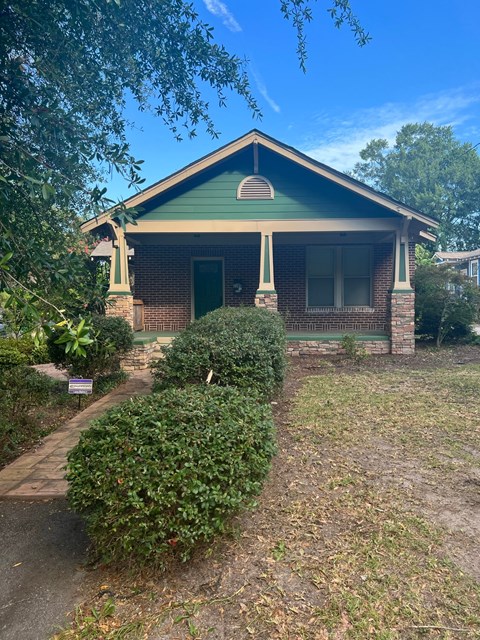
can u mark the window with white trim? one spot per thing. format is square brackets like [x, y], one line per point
[339, 277]
[474, 269]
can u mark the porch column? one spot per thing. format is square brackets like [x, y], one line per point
[403, 298]
[120, 298]
[266, 295]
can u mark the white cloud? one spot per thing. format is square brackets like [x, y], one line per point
[341, 138]
[220, 10]
[262, 89]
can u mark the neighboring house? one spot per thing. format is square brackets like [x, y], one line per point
[467, 262]
[258, 222]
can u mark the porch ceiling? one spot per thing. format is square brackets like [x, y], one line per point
[253, 238]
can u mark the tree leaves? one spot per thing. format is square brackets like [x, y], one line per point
[66, 69]
[427, 168]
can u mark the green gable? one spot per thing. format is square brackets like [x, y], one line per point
[299, 194]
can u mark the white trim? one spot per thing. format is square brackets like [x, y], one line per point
[259, 226]
[255, 177]
[428, 236]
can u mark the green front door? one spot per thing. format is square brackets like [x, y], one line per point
[207, 286]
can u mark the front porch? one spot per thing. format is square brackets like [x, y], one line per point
[364, 289]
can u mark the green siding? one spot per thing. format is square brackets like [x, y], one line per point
[266, 261]
[402, 267]
[299, 193]
[118, 277]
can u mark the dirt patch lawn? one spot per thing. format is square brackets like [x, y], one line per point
[368, 527]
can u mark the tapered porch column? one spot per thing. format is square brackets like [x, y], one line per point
[403, 298]
[266, 295]
[120, 298]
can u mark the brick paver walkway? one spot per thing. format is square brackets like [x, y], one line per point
[39, 474]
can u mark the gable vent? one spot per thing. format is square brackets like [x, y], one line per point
[255, 188]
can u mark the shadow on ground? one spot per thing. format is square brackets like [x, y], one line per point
[43, 547]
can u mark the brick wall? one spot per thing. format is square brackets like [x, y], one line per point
[163, 280]
[290, 283]
[411, 261]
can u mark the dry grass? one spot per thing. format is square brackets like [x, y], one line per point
[330, 553]
[431, 414]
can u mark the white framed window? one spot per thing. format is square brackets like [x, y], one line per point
[474, 269]
[339, 277]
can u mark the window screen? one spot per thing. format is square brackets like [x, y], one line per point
[356, 264]
[321, 277]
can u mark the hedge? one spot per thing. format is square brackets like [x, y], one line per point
[243, 346]
[159, 474]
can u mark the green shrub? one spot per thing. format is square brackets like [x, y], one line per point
[26, 345]
[22, 387]
[11, 357]
[161, 473]
[244, 347]
[113, 338]
[40, 354]
[351, 348]
[446, 303]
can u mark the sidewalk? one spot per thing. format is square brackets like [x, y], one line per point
[40, 473]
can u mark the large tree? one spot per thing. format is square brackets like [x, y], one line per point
[429, 169]
[67, 68]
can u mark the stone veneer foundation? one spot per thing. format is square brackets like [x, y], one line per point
[120, 306]
[403, 323]
[267, 301]
[142, 355]
[333, 347]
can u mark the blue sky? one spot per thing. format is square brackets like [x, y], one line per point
[422, 64]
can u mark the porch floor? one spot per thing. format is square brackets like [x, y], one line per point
[147, 337]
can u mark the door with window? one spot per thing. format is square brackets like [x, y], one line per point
[207, 285]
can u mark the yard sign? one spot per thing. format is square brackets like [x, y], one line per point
[80, 386]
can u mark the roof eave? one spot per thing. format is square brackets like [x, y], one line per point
[274, 145]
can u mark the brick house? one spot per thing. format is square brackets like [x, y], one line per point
[258, 222]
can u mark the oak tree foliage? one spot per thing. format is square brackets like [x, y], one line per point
[67, 69]
[430, 170]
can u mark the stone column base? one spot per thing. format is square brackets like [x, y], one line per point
[403, 322]
[120, 306]
[267, 301]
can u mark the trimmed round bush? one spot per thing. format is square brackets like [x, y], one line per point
[161, 473]
[113, 338]
[243, 346]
